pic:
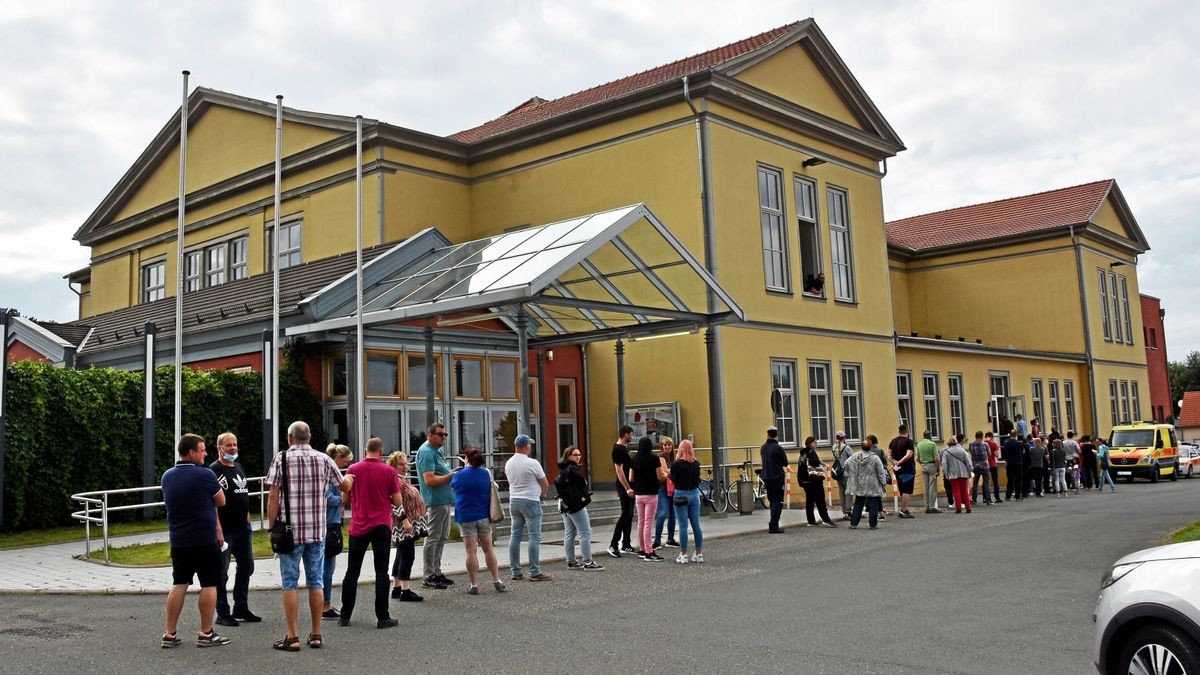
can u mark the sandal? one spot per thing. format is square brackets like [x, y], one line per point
[314, 640]
[288, 644]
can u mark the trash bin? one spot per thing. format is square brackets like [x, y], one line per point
[745, 492]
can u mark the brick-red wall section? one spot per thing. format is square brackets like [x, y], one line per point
[1156, 360]
[253, 360]
[567, 363]
[19, 351]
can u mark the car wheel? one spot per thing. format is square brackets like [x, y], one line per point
[1175, 472]
[1159, 650]
[1189, 473]
[1154, 471]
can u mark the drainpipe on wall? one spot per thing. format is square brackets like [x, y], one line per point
[712, 341]
[1087, 329]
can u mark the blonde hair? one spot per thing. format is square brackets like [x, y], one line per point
[669, 456]
[397, 458]
[221, 439]
[336, 450]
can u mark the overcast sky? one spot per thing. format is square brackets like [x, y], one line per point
[992, 99]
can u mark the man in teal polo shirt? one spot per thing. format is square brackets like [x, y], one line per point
[433, 476]
[927, 455]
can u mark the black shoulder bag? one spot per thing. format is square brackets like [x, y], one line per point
[283, 541]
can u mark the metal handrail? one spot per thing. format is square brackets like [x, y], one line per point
[96, 509]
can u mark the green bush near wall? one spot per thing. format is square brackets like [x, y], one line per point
[75, 431]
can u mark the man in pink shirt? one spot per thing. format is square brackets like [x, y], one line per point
[376, 489]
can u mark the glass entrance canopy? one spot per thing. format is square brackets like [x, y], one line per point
[600, 276]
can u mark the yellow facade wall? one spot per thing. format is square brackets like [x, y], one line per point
[792, 75]
[1107, 218]
[413, 202]
[1110, 349]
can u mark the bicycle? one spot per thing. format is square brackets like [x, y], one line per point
[713, 494]
[759, 490]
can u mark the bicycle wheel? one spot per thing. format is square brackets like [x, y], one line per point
[720, 500]
[760, 495]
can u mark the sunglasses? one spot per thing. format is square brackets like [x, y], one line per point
[440, 433]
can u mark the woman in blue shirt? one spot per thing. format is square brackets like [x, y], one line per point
[472, 487]
[342, 456]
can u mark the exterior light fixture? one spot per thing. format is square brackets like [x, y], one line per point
[813, 161]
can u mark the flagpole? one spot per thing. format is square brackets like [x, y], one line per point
[360, 384]
[179, 263]
[274, 258]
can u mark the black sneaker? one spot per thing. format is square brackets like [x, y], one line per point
[331, 613]
[517, 577]
[574, 565]
[407, 595]
[445, 581]
[225, 620]
[671, 543]
[433, 583]
[169, 640]
[614, 552]
[591, 566]
[654, 557]
[628, 549]
[246, 616]
[211, 640]
[396, 592]
[657, 545]
[387, 623]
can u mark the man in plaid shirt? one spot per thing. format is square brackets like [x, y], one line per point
[308, 472]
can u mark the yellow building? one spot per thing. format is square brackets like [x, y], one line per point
[764, 160]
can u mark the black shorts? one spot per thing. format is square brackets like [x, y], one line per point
[199, 561]
[906, 481]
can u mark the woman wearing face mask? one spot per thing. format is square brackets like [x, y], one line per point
[334, 509]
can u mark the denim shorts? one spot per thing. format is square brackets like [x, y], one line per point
[313, 555]
[475, 528]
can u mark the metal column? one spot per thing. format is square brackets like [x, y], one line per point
[148, 419]
[430, 376]
[5, 318]
[716, 406]
[268, 381]
[523, 370]
[620, 349]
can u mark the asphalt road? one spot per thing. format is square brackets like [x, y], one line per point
[1007, 589]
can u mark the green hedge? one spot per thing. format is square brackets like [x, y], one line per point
[74, 431]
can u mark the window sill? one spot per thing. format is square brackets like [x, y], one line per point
[814, 297]
[846, 303]
[776, 291]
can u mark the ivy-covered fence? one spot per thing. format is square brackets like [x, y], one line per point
[74, 431]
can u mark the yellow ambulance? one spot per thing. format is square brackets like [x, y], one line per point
[1144, 450]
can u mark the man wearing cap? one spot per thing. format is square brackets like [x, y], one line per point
[774, 467]
[526, 489]
[842, 453]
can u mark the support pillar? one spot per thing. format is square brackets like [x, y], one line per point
[523, 370]
[620, 349]
[268, 382]
[5, 319]
[352, 408]
[716, 406]
[430, 376]
[148, 419]
[540, 373]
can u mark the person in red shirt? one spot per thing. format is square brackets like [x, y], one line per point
[993, 453]
[376, 489]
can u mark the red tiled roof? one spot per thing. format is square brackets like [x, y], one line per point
[537, 109]
[1003, 218]
[1189, 415]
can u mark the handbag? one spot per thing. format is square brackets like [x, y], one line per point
[333, 539]
[283, 539]
[496, 513]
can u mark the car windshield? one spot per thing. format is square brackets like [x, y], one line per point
[1133, 438]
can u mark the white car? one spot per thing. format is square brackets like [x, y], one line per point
[1148, 614]
[1189, 460]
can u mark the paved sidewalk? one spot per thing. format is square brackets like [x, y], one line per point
[55, 568]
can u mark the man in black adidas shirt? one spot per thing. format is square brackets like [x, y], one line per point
[235, 524]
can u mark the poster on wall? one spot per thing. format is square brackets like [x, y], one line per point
[654, 420]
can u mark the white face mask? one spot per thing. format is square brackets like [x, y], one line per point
[228, 457]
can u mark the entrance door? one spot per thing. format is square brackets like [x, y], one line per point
[385, 422]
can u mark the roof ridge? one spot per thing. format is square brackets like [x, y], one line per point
[1002, 199]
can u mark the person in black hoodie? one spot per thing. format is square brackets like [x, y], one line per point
[774, 467]
[573, 496]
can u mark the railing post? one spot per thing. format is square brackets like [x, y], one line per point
[87, 528]
[104, 524]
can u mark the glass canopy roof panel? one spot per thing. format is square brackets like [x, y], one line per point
[639, 291]
[546, 236]
[689, 287]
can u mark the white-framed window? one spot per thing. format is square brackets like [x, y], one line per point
[1055, 420]
[1039, 408]
[564, 395]
[1115, 298]
[154, 281]
[783, 381]
[214, 264]
[1106, 320]
[1125, 307]
[819, 401]
[774, 234]
[1135, 401]
[932, 406]
[1113, 399]
[904, 398]
[840, 247]
[1069, 403]
[954, 391]
[288, 251]
[1125, 401]
[193, 275]
[852, 413]
[239, 258]
[810, 235]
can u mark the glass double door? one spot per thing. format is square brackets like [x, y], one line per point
[400, 427]
[490, 429]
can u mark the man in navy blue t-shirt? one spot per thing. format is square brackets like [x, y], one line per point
[193, 496]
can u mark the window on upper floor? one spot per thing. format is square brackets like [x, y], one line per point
[810, 237]
[852, 413]
[932, 404]
[154, 281]
[1106, 321]
[783, 382]
[1125, 307]
[957, 417]
[1114, 401]
[840, 246]
[1135, 401]
[904, 398]
[288, 251]
[774, 234]
[1039, 409]
[1115, 298]
[1069, 403]
[1055, 421]
[819, 401]
[214, 264]
[1153, 338]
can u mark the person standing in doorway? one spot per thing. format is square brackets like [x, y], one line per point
[904, 466]
[624, 527]
[774, 472]
[235, 525]
[1022, 427]
[927, 456]
[433, 477]
[192, 497]
[527, 486]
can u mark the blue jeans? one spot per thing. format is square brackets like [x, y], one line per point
[525, 512]
[580, 524]
[689, 513]
[240, 548]
[1106, 477]
[313, 556]
[327, 578]
[873, 505]
[665, 514]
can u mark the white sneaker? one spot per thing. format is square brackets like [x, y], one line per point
[697, 557]
[682, 559]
